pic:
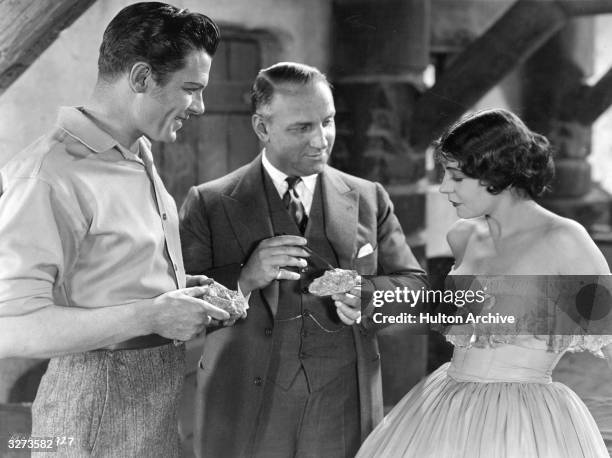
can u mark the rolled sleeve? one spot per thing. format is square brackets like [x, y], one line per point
[37, 246]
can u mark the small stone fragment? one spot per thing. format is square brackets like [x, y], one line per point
[335, 281]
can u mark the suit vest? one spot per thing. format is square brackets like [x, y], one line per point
[307, 331]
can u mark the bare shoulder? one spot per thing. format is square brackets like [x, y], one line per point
[565, 232]
[573, 248]
[460, 234]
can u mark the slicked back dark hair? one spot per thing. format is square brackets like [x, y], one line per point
[497, 148]
[282, 73]
[158, 34]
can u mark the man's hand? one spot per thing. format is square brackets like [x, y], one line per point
[348, 306]
[267, 261]
[181, 315]
[203, 280]
[198, 280]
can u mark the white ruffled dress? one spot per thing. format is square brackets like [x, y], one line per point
[495, 399]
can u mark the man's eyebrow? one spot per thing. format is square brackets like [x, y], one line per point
[192, 83]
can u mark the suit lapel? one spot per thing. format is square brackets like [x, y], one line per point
[341, 209]
[248, 213]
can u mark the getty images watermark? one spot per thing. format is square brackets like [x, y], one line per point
[551, 304]
[412, 298]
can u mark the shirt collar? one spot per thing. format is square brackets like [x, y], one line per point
[80, 126]
[278, 177]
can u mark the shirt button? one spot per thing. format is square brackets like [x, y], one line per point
[304, 333]
[164, 217]
[303, 355]
[306, 313]
[268, 332]
[257, 381]
[305, 290]
[305, 269]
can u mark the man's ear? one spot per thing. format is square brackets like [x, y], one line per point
[140, 77]
[259, 126]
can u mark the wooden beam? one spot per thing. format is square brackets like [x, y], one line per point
[526, 26]
[28, 27]
[510, 41]
[595, 100]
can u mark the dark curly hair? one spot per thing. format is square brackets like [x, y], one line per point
[495, 147]
[157, 33]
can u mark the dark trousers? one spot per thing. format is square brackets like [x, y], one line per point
[303, 424]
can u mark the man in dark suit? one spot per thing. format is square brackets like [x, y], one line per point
[300, 376]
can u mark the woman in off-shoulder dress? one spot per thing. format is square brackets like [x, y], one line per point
[495, 398]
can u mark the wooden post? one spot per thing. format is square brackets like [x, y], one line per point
[381, 50]
[380, 37]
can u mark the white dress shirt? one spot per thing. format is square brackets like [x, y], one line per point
[305, 187]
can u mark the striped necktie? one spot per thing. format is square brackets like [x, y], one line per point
[294, 205]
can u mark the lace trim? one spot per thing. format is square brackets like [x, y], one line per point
[572, 343]
[548, 311]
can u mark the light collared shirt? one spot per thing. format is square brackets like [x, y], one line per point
[85, 222]
[305, 188]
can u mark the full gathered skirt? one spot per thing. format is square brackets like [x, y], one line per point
[445, 417]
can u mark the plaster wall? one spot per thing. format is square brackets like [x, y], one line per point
[66, 72]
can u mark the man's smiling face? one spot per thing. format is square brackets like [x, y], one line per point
[163, 110]
[299, 127]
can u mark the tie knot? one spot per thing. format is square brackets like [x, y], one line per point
[292, 181]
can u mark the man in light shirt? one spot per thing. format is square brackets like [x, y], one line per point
[300, 376]
[91, 272]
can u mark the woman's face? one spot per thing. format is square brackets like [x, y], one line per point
[470, 198]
